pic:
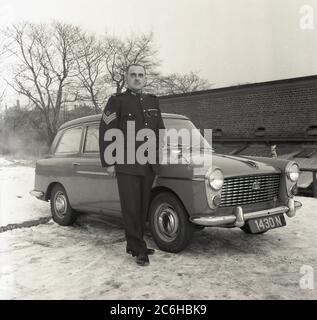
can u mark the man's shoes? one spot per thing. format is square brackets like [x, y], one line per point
[142, 260]
[149, 252]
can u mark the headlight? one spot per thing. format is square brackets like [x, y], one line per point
[293, 172]
[216, 179]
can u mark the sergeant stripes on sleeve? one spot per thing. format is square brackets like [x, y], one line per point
[108, 119]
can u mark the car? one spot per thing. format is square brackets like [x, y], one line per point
[251, 193]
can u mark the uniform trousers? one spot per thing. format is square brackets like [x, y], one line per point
[135, 192]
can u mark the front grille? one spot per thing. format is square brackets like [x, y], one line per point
[240, 190]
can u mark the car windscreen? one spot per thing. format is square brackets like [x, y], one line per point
[179, 124]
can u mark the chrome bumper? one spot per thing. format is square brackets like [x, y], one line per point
[238, 218]
[37, 194]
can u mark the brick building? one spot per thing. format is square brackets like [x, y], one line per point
[248, 119]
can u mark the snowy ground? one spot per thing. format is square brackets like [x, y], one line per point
[16, 204]
[88, 260]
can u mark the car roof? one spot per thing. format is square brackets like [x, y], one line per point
[97, 117]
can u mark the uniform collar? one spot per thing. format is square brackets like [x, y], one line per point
[134, 93]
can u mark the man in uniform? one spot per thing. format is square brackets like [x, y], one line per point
[134, 179]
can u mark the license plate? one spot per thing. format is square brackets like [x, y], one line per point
[266, 223]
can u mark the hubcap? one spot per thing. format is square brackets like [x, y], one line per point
[166, 222]
[60, 204]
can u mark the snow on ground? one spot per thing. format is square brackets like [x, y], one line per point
[88, 260]
[5, 162]
[16, 204]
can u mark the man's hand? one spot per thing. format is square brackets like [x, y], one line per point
[111, 171]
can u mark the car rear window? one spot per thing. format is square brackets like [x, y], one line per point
[70, 141]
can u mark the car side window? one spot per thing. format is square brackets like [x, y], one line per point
[70, 141]
[92, 139]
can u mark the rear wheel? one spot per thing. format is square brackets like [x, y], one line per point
[61, 210]
[171, 229]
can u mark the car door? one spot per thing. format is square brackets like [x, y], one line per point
[98, 190]
[63, 163]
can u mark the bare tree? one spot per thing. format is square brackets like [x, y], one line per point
[102, 64]
[44, 71]
[91, 57]
[3, 46]
[180, 83]
[122, 53]
[2, 94]
[3, 87]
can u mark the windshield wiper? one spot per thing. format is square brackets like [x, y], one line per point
[179, 145]
[201, 147]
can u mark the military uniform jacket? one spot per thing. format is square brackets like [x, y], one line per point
[141, 108]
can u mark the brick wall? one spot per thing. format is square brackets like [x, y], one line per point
[285, 108]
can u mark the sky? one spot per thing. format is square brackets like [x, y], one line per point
[228, 42]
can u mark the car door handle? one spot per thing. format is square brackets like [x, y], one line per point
[75, 164]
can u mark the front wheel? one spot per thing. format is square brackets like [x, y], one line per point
[170, 227]
[61, 210]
